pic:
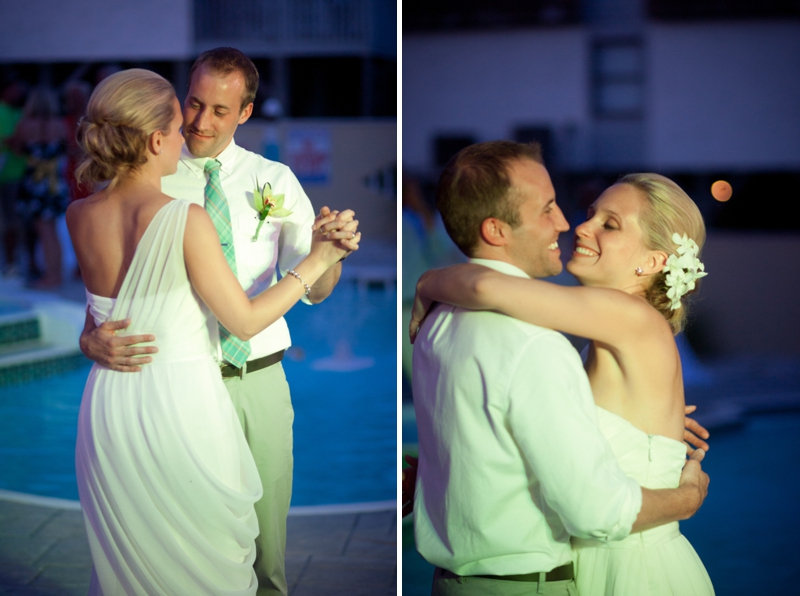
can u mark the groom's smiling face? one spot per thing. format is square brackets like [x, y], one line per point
[213, 110]
[533, 245]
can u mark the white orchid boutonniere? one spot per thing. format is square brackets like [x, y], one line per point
[267, 205]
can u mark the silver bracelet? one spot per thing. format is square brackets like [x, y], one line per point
[294, 273]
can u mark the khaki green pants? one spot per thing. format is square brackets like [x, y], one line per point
[264, 407]
[445, 584]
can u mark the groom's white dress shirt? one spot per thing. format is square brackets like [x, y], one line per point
[282, 242]
[511, 458]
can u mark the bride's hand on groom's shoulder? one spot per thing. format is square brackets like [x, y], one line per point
[422, 304]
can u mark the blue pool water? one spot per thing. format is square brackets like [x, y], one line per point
[345, 422]
[8, 307]
[746, 531]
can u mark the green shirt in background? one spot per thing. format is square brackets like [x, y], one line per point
[12, 166]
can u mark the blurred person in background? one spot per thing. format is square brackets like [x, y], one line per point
[426, 245]
[76, 96]
[41, 136]
[12, 168]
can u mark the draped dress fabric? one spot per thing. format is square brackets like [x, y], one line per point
[656, 562]
[166, 480]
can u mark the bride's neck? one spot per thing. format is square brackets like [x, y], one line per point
[634, 288]
[144, 178]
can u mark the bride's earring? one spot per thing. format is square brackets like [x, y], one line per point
[639, 271]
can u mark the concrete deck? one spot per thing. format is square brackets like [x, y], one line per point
[44, 552]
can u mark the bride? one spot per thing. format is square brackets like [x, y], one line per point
[166, 480]
[636, 258]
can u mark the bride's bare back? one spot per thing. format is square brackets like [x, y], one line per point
[641, 381]
[106, 229]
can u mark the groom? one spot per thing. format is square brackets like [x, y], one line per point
[223, 84]
[511, 460]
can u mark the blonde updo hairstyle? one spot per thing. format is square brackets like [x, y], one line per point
[124, 110]
[668, 209]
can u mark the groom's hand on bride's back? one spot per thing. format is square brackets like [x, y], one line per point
[102, 345]
[696, 481]
[693, 432]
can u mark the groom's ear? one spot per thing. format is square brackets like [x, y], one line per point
[494, 231]
[245, 114]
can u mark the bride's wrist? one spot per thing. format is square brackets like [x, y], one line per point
[311, 269]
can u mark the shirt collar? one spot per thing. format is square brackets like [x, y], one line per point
[197, 164]
[501, 266]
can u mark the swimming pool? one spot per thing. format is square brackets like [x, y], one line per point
[342, 372]
[8, 307]
[747, 526]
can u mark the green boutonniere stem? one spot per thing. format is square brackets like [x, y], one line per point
[267, 204]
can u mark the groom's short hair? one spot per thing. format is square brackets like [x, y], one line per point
[475, 185]
[225, 61]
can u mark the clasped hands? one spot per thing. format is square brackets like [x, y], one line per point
[339, 227]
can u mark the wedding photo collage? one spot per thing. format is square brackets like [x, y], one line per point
[374, 297]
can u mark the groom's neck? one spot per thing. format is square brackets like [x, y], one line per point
[498, 253]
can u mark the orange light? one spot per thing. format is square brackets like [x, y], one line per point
[721, 190]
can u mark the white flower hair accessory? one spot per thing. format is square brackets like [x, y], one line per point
[683, 269]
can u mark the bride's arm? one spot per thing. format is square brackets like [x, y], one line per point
[218, 287]
[606, 315]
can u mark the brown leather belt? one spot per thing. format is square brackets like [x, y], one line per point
[228, 370]
[565, 572]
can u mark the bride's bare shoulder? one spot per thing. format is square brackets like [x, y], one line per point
[199, 229]
[197, 217]
[82, 210]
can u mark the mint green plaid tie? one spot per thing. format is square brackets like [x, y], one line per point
[234, 350]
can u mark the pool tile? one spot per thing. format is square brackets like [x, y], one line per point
[29, 371]
[19, 331]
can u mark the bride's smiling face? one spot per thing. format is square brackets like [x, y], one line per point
[609, 245]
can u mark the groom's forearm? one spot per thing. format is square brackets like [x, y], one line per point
[325, 284]
[667, 505]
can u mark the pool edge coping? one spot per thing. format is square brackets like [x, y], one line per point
[301, 510]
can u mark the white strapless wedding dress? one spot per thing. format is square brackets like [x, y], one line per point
[166, 480]
[657, 562]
